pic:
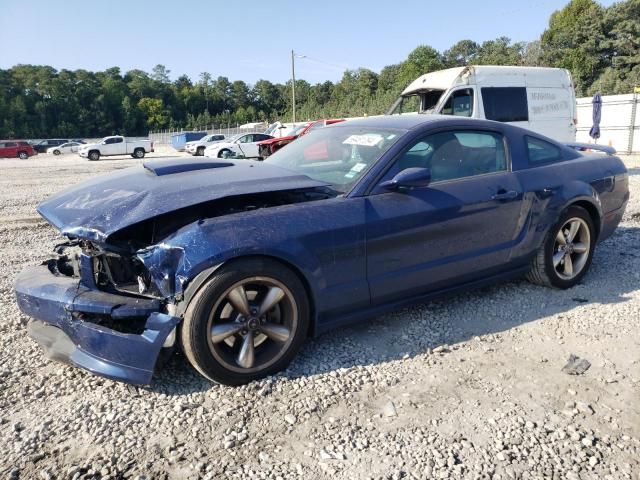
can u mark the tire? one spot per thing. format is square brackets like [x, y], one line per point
[221, 359]
[138, 153]
[550, 266]
[56, 152]
[222, 152]
[94, 155]
[23, 155]
[200, 152]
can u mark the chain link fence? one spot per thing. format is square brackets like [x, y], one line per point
[163, 137]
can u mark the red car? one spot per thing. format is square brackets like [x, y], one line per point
[16, 148]
[269, 147]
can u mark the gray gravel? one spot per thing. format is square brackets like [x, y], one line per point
[469, 387]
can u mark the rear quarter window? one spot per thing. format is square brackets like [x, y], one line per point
[505, 104]
[541, 152]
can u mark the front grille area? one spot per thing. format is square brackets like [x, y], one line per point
[123, 274]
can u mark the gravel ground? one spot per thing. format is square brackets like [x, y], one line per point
[468, 387]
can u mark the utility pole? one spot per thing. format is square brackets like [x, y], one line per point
[293, 85]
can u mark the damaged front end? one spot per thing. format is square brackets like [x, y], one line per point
[113, 295]
[96, 309]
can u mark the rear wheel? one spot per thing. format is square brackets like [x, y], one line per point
[247, 322]
[565, 256]
[138, 153]
[23, 155]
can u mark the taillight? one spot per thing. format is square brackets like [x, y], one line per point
[575, 121]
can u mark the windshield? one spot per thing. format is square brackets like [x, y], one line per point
[338, 156]
[424, 101]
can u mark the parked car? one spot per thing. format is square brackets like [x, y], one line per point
[16, 148]
[43, 145]
[271, 146]
[248, 258]
[116, 145]
[241, 145]
[197, 147]
[179, 140]
[538, 98]
[69, 147]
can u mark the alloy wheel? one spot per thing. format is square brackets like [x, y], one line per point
[252, 324]
[571, 248]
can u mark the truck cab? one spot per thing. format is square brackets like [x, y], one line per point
[540, 99]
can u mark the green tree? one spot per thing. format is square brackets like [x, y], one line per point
[576, 40]
[461, 54]
[423, 59]
[154, 112]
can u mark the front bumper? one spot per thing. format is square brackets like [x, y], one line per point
[66, 311]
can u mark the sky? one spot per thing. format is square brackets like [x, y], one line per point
[249, 40]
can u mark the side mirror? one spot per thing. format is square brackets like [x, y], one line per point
[409, 178]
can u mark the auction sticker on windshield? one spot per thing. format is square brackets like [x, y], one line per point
[367, 140]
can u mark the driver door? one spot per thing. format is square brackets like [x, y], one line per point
[110, 146]
[245, 146]
[457, 229]
[459, 103]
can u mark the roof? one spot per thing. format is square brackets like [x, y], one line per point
[498, 74]
[440, 80]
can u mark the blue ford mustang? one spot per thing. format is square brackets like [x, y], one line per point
[238, 261]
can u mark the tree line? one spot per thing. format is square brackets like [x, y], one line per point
[599, 45]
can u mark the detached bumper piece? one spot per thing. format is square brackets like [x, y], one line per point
[115, 336]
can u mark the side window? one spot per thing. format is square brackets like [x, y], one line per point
[505, 104]
[245, 139]
[459, 103]
[109, 141]
[11, 144]
[540, 151]
[456, 154]
[117, 140]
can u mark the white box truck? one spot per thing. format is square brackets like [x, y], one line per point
[540, 99]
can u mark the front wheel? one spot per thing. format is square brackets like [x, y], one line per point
[224, 153]
[247, 322]
[94, 156]
[200, 152]
[56, 152]
[565, 256]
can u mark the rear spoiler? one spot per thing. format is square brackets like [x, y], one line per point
[583, 147]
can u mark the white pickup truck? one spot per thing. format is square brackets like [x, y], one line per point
[116, 145]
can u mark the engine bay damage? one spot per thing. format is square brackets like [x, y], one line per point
[136, 261]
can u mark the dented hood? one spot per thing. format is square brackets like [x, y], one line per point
[99, 207]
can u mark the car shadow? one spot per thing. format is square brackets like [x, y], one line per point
[411, 331]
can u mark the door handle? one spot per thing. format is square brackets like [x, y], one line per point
[505, 195]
